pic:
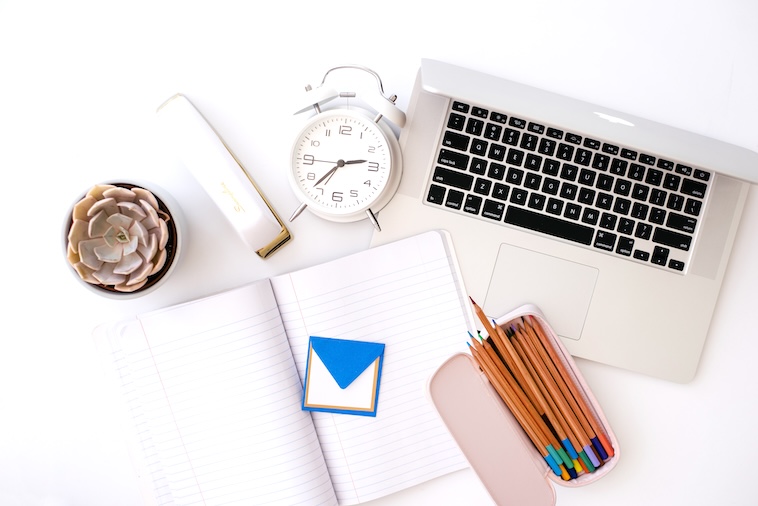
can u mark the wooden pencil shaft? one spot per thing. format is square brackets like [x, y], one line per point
[565, 382]
[513, 391]
[504, 347]
[518, 392]
[572, 424]
[520, 372]
[597, 429]
[517, 372]
[533, 434]
[515, 363]
[506, 353]
[483, 318]
[552, 411]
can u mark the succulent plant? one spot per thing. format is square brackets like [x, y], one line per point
[118, 237]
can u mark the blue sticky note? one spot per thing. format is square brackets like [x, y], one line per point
[342, 376]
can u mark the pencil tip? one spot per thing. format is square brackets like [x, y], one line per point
[472, 300]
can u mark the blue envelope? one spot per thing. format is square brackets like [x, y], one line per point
[342, 376]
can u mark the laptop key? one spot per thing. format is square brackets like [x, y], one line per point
[478, 111]
[493, 209]
[456, 141]
[549, 225]
[693, 188]
[626, 226]
[500, 191]
[590, 216]
[677, 265]
[519, 196]
[537, 201]
[460, 106]
[605, 240]
[453, 178]
[672, 239]
[573, 211]
[456, 121]
[625, 246]
[478, 166]
[681, 222]
[474, 126]
[515, 157]
[453, 159]
[482, 186]
[660, 255]
[554, 206]
[454, 199]
[693, 207]
[473, 204]
[436, 194]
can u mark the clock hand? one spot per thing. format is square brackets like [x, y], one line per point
[328, 175]
[340, 163]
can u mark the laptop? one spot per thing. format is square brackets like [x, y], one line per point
[618, 228]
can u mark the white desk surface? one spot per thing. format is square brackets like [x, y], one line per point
[79, 85]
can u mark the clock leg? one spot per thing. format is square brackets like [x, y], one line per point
[372, 219]
[297, 212]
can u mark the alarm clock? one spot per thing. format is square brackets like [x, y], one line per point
[346, 162]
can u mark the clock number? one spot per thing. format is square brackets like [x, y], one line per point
[337, 196]
[367, 182]
[308, 159]
[346, 130]
[315, 143]
[373, 166]
[354, 193]
[310, 176]
[372, 149]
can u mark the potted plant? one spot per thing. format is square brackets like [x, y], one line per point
[121, 238]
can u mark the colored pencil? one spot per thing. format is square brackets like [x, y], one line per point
[535, 384]
[540, 421]
[598, 434]
[557, 395]
[519, 412]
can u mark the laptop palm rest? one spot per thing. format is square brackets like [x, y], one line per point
[560, 288]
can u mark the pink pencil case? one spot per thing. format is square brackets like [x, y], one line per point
[496, 446]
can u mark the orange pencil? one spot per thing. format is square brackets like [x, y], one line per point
[579, 437]
[527, 422]
[564, 429]
[600, 439]
[524, 378]
[505, 375]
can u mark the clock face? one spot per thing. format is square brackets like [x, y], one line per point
[344, 163]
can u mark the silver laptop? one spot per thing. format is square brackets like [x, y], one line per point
[618, 228]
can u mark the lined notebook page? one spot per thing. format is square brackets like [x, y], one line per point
[219, 403]
[405, 295]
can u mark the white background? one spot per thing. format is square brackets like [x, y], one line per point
[79, 85]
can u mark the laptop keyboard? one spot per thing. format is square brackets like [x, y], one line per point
[590, 192]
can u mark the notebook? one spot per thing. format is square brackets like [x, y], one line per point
[618, 228]
[214, 387]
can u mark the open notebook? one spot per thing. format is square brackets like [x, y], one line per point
[214, 386]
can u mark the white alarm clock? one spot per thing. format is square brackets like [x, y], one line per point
[346, 162]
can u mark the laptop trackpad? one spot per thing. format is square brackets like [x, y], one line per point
[560, 288]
